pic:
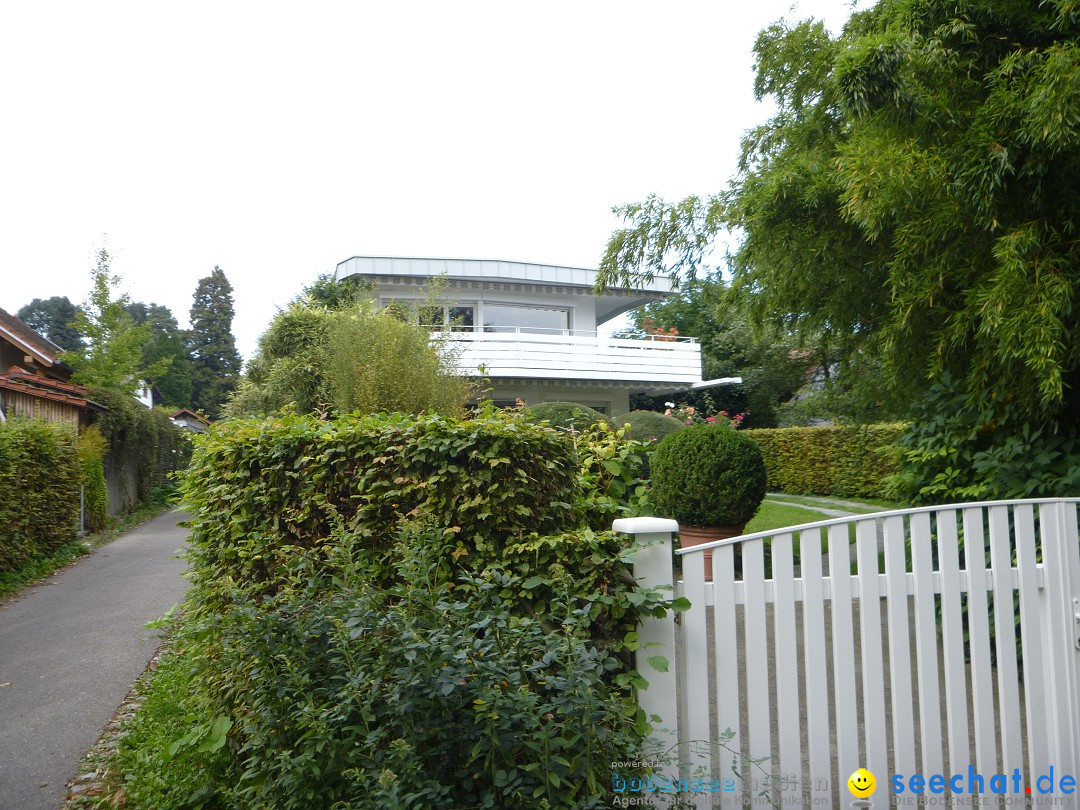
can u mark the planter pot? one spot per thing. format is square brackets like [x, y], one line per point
[697, 535]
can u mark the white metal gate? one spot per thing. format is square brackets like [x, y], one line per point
[940, 643]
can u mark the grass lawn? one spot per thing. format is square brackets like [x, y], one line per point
[776, 516]
[865, 505]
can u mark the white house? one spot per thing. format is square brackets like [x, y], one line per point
[531, 330]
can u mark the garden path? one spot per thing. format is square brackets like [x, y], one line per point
[70, 648]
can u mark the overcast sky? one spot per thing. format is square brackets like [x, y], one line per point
[276, 140]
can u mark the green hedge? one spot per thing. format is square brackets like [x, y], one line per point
[646, 426]
[268, 493]
[840, 461]
[39, 490]
[366, 588]
[563, 415]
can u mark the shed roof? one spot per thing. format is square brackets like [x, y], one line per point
[36, 345]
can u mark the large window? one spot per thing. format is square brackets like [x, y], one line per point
[441, 317]
[511, 317]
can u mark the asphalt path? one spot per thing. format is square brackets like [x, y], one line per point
[71, 648]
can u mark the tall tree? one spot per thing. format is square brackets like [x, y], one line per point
[773, 365]
[55, 319]
[915, 191]
[215, 363]
[165, 340]
[113, 355]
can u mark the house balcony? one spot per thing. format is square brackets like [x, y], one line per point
[554, 354]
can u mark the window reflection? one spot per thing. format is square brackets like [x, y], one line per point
[508, 318]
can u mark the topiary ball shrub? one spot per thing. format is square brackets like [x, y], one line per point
[708, 475]
[648, 426]
[563, 415]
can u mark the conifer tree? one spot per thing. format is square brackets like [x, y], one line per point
[215, 363]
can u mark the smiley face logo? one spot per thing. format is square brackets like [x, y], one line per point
[862, 784]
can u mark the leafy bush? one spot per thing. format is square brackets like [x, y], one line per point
[708, 475]
[852, 462]
[648, 426]
[351, 698]
[613, 474]
[39, 490]
[954, 451]
[268, 494]
[91, 448]
[350, 358]
[291, 366]
[366, 588]
[564, 415]
[379, 362]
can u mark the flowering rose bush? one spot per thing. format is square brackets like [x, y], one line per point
[689, 415]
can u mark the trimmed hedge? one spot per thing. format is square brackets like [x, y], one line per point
[708, 475]
[269, 493]
[648, 426]
[39, 490]
[368, 587]
[563, 415]
[840, 461]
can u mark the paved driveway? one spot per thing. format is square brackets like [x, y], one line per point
[70, 650]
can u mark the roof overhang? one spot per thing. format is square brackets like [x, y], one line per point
[497, 274]
[30, 349]
[704, 385]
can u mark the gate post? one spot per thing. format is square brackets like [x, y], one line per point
[653, 569]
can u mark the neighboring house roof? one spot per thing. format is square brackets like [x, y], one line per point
[20, 386]
[532, 276]
[189, 420]
[26, 394]
[185, 413]
[37, 346]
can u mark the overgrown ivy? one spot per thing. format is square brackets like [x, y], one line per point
[142, 440]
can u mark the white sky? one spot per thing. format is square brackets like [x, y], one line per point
[276, 140]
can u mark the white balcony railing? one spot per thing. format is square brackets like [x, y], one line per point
[572, 355]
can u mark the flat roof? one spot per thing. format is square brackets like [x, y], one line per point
[611, 303]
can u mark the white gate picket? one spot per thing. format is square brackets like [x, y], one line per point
[843, 650]
[728, 693]
[873, 669]
[1012, 752]
[926, 645]
[952, 639]
[903, 721]
[788, 718]
[815, 671]
[982, 687]
[757, 657]
[936, 610]
[695, 758]
[1032, 638]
